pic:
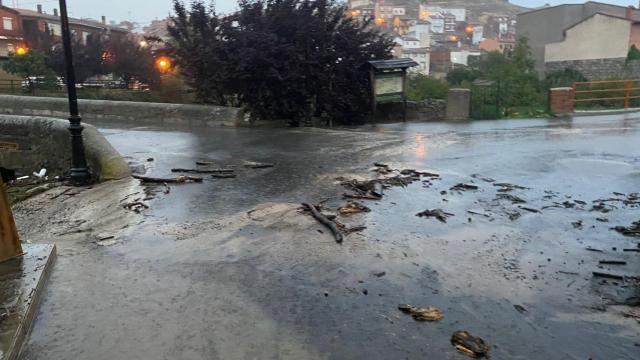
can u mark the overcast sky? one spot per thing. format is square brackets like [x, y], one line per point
[144, 11]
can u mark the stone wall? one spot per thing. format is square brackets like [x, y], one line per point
[46, 143]
[599, 69]
[425, 110]
[125, 111]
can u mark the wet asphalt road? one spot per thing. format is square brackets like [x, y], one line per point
[159, 296]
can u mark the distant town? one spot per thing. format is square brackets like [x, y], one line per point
[440, 37]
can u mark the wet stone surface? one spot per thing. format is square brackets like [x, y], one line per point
[232, 269]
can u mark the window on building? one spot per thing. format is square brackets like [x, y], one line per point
[7, 23]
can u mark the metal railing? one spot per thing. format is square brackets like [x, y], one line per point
[608, 93]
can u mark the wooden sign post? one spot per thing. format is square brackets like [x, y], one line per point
[10, 246]
[389, 83]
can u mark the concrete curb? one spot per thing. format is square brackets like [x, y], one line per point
[36, 264]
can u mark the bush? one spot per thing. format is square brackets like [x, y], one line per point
[563, 78]
[421, 87]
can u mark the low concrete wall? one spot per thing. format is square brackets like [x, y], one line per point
[45, 143]
[125, 111]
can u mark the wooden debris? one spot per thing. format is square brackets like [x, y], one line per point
[485, 179]
[514, 215]
[324, 221]
[514, 199]
[469, 345]
[632, 230]
[353, 207]
[594, 250]
[257, 165]
[464, 187]
[202, 171]
[421, 314]
[478, 213]
[530, 209]
[136, 206]
[631, 250]
[608, 276]
[510, 186]
[204, 163]
[577, 224]
[177, 179]
[223, 176]
[612, 262]
[439, 214]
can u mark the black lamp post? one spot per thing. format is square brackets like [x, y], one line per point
[79, 170]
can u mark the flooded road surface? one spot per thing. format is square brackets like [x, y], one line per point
[230, 269]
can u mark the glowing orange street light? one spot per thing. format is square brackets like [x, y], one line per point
[380, 21]
[452, 38]
[397, 22]
[22, 50]
[163, 64]
[424, 14]
[469, 29]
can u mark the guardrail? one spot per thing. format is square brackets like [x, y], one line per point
[607, 92]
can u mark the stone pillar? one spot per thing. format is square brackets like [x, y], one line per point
[561, 100]
[458, 104]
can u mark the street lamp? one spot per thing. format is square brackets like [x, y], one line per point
[22, 50]
[79, 170]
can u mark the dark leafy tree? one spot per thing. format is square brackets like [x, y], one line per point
[126, 59]
[88, 56]
[30, 66]
[281, 59]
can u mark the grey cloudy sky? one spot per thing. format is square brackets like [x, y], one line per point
[144, 11]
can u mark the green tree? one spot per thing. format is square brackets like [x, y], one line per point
[281, 59]
[421, 87]
[458, 76]
[88, 56]
[30, 66]
[633, 54]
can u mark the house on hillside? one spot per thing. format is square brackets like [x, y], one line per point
[593, 38]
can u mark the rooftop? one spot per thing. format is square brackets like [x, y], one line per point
[86, 22]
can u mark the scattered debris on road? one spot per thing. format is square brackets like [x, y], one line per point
[422, 314]
[366, 189]
[202, 171]
[257, 165]
[577, 224]
[612, 262]
[324, 221]
[485, 179]
[136, 206]
[607, 275]
[463, 187]
[632, 230]
[469, 345]
[353, 207]
[439, 214]
[178, 179]
[223, 176]
[514, 199]
[521, 309]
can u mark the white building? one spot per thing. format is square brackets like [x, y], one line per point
[422, 30]
[461, 57]
[420, 55]
[410, 42]
[399, 11]
[437, 23]
[460, 13]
